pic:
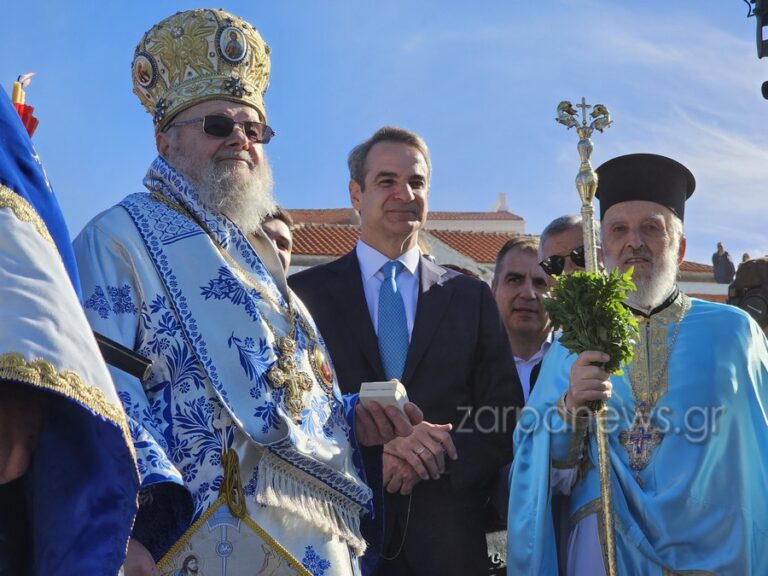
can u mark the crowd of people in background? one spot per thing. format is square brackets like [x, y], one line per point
[244, 447]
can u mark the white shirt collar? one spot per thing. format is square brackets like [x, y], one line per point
[371, 260]
[540, 354]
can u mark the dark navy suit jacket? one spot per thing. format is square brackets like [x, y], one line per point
[458, 360]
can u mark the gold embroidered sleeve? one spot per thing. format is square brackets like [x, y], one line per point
[568, 446]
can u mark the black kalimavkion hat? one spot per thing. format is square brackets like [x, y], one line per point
[644, 177]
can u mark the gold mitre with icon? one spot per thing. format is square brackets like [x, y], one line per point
[200, 55]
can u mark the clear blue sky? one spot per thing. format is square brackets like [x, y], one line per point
[479, 80]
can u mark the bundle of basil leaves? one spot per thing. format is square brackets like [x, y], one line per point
[589, 308]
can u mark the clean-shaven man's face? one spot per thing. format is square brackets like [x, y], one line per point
[393, 203]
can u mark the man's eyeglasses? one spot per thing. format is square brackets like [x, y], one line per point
[222, 126]
[554, 265]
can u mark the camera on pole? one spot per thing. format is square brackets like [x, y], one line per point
[759, 9]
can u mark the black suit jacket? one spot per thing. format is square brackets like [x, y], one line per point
[458, 360]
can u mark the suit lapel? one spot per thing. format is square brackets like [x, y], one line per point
[434, 297]
[346, 290]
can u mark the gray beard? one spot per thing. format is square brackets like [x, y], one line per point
[244, 199]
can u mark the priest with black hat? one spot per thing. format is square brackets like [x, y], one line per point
[687, 427]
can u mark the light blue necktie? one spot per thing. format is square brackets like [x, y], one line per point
[393, 326]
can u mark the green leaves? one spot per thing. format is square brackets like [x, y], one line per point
[589, 308]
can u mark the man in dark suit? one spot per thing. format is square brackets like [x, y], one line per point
[387, 312]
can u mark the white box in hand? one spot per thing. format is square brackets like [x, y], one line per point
[391, 393]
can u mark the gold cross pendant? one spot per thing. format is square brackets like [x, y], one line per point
[285, 374]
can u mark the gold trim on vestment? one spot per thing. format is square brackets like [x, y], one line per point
[652, 351]
[42, 374]
[649, 380]
[221, 501]
[24, 211]
[593, 507]
[590, 508]
[579, 423]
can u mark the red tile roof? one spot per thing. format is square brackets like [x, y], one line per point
[500, 215]
[314, 237]
[324, 216]
[482, 247]
[695, 267]
[324, 239]
[349, 216]
[338, 239]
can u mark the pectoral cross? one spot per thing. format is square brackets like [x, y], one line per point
[640, 440]
[285, 374]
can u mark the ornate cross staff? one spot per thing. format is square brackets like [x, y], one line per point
[586, 179]
[586, 184]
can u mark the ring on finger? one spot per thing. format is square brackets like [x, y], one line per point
[418, 452]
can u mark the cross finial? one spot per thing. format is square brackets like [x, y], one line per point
[583, 107]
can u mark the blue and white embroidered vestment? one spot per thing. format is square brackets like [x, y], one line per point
[185, 288]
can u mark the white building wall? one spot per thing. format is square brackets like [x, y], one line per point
[703, 288]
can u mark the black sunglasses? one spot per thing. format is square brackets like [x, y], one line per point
[222, 126]
[554, 265]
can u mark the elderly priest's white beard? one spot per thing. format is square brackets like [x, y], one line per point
[655, 286]
[243, 196]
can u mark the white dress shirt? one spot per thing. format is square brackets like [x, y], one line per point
[525, 367]
[371, 261]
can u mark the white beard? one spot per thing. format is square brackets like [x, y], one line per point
[245, 198]
[654, 288]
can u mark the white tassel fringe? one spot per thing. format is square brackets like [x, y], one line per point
[282, 485]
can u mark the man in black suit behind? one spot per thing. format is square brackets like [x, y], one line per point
[455, 363]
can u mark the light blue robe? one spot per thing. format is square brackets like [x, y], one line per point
[701, 502]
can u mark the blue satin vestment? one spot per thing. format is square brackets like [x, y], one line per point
[700, 503]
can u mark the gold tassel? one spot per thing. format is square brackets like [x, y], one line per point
[232, 487]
